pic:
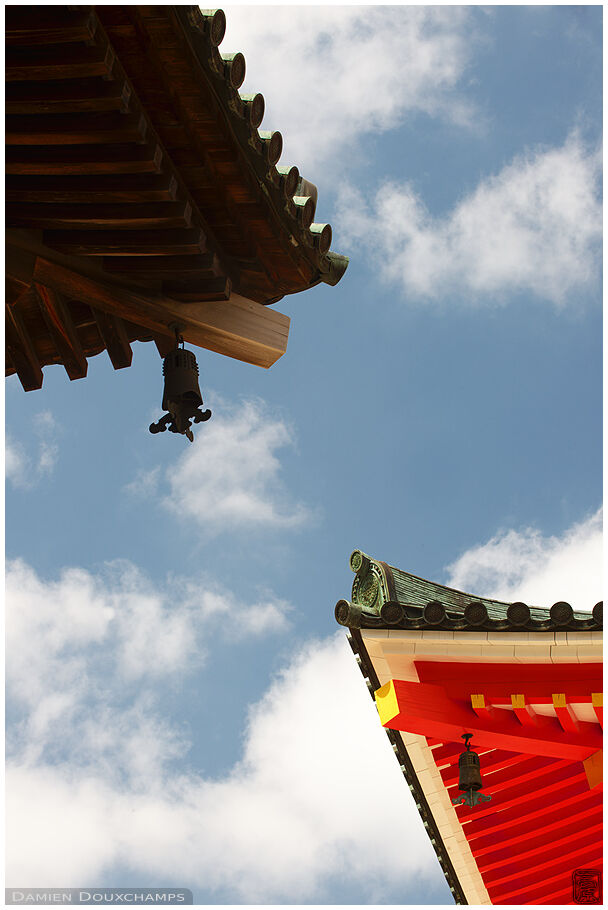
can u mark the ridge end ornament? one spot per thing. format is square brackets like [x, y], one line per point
[182, 397]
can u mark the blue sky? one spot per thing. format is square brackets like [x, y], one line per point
[182, 709]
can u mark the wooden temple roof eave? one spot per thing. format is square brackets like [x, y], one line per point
[298, 241]
[327, 266]
[245, 330]
[146, 220]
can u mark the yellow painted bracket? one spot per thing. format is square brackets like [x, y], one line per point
[386, 702]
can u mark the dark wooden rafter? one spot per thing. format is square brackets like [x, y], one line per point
[212, 289]
[114, 335]
[124, 158]
[50, 26]
[21, 349]
[99, 216]
[61, 327]
[63, 96]
[128, 243]
[205, 265]
[105, 189]
[199, 123]
[74, 129]
[51, 62]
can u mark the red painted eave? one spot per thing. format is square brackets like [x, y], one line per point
[541, 768]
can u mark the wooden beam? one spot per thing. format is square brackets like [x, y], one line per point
[540, 846]
[49, 25]
[562, 782]
[173, 242]
[597, 700]
[594, 769]
[510, 779]
[555, 895]
[556, 880]
[540, 864]
[21, 349]
[122, 158]
[114, 336]
[447, 753]
[218, 288]
[525, 714]
[63, 332]
[55, 62]
[99, 216]
[105, 189]
[428, 710]
[498, 681]
[534, 804]
[478, 703]
[74, 129]
[204, 265]
[13, 288]
[564, 713]
[67, 96]
[164, 344]
[238, 328]
[551, 819]
[555, 867]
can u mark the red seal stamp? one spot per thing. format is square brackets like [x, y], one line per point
[587, 886]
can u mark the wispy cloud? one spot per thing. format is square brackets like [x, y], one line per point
[348, 71]
[89, 645]
[145, 483]
[24, 467]
[533, 227]
[525, 565]
[230, 477]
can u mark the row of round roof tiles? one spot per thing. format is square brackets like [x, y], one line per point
[230, 69]
[518, 617]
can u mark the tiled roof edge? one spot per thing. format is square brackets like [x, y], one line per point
[357, 645]
[204, 31]
[449, 609]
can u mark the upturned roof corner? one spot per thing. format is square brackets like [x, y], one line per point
[385, 597]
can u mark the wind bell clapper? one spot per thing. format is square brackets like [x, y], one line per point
[469, 777]
[181, 395]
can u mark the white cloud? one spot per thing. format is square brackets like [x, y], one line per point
[229, 478]
[15, 461]
[524, 565]
[347, 71]
[24, 469]
[317, 794]
[216, 604]
[145, 483]
[78, 647]
[533, 227]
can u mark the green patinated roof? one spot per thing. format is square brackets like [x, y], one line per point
[384, 596]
